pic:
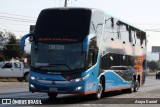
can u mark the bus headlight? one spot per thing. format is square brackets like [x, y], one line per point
[80, 79]
[33, 78]
[78, 88]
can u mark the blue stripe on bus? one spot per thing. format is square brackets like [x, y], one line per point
[113, 80]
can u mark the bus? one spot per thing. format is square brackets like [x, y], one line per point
[85, 51]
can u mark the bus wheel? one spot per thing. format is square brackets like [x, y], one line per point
[98, 95]
[131, 89]
[136, 86]
[52, 95]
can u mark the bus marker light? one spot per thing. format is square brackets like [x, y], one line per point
[80, 79]
[32, 86]
[79, 88]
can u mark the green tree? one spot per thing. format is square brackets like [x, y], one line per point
[12, 47]
[153, 65]
[2, 43]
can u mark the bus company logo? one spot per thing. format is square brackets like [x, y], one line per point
[6, 101]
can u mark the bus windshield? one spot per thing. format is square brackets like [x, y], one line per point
[57, 57]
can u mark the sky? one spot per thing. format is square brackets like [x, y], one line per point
[17, 15]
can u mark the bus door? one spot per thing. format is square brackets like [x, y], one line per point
[92, 64]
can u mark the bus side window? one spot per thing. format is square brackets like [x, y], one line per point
[91, 57]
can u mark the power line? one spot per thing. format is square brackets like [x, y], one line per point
[14, 24]
[153, 31]
[152, 23]
[13, 30]
[16, 18]
[16, 15]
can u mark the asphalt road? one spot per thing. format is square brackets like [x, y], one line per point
[150, 92]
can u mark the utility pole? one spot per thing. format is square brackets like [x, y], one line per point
[65, 3]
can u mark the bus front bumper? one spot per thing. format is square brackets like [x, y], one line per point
[64, 87]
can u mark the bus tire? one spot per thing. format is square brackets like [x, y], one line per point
[52, 95]
[98, 95]
[136, 86]
[131, 89]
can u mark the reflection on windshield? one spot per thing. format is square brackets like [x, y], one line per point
[61, 57]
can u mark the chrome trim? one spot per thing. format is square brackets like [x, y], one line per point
[49, 82]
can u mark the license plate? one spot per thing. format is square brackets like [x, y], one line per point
[53, 89]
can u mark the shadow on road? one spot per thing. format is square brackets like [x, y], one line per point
[86, 99]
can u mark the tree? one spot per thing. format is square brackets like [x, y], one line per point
[2, 43]
[12, 47]
[152, 65]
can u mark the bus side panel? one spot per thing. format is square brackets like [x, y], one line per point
[114, 82]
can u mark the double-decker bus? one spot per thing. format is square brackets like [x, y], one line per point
[85, 51]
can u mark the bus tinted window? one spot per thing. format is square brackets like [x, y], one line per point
[63, 23]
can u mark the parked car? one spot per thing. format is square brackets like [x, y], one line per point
[158, 74]
[14, 69]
